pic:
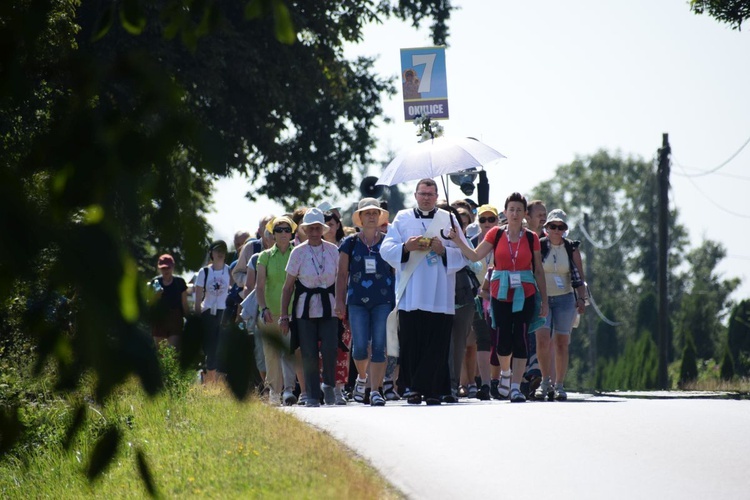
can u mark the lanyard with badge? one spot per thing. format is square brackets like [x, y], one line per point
[558, 279]
[371, 263]
[515, 276]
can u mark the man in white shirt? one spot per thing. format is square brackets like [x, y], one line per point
[427, 303]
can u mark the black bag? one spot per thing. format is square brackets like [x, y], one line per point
[465, 291]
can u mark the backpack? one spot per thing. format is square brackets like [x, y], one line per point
[249, 309]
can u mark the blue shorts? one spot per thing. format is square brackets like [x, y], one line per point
[561, 313]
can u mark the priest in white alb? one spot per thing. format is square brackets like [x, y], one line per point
[426, 266]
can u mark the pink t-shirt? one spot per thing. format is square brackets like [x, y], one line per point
[315, 267]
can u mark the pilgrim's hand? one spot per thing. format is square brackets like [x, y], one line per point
[543, 310]
[437, 246]
[414, 243]
[340, 310]
[452, 233]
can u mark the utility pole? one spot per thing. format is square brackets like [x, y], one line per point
[662, 182]
[589, 321]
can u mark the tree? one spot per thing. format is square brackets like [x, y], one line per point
[727, 364]
[706, 300]
[618, 193]
[738, 336]
[113, 132]
[689, 364]
[731, 12]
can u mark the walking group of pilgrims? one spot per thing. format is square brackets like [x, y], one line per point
[444, 302]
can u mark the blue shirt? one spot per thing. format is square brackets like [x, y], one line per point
[367, 289]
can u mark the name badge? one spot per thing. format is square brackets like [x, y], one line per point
[559, 282]
[370, 265]
[432, 258]
[515, 280]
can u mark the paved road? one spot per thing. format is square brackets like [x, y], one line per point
[588, 447]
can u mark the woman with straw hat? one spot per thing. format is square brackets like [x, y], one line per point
[365, 284]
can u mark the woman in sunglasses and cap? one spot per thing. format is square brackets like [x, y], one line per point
[566, 292]
[271, 275]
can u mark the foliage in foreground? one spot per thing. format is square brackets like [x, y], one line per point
[115, 119]
[203, 443]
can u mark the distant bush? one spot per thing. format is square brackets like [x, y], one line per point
[176, 381]
[727, 365]
[689, 366]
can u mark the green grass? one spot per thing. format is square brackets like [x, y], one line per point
[200, 444]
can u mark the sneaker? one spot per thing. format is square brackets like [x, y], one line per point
[329, 397]
[560, 394]
[462, 392]
[542, 391]
[376, 399]
[359, 391]
[471, 391]
[312, 404]
[483, 394]
[414, 398]
[340, 400]
[302, 401]
[495, 388]
[503, 387]
[389, 391]
[288, 398]
[274, 398]
[534, 384]
[450, 399]
[517, 397]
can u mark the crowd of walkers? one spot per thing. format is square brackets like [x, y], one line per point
[444, 302]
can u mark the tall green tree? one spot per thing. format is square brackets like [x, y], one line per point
[706, 302]
[738, 336]
[618, 194]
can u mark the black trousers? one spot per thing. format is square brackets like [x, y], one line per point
[425, 339]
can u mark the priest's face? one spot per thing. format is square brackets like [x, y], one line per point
[426, 197]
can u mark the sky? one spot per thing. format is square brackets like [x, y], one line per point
[545, 82]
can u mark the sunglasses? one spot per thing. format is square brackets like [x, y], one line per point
[482, 220]
[556, 227]
[282, 230]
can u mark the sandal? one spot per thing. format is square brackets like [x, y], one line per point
[504, 387]
[376, 399]
[517, 396]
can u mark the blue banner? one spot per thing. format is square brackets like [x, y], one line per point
[424, 83]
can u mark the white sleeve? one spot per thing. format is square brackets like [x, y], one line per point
[392, 246]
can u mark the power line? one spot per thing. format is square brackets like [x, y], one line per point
[722, 174]
[599, 312]
[736, 214]
[722, 165]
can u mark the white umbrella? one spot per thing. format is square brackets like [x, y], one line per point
[436, 157]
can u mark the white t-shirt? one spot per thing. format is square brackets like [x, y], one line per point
[215, 293]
